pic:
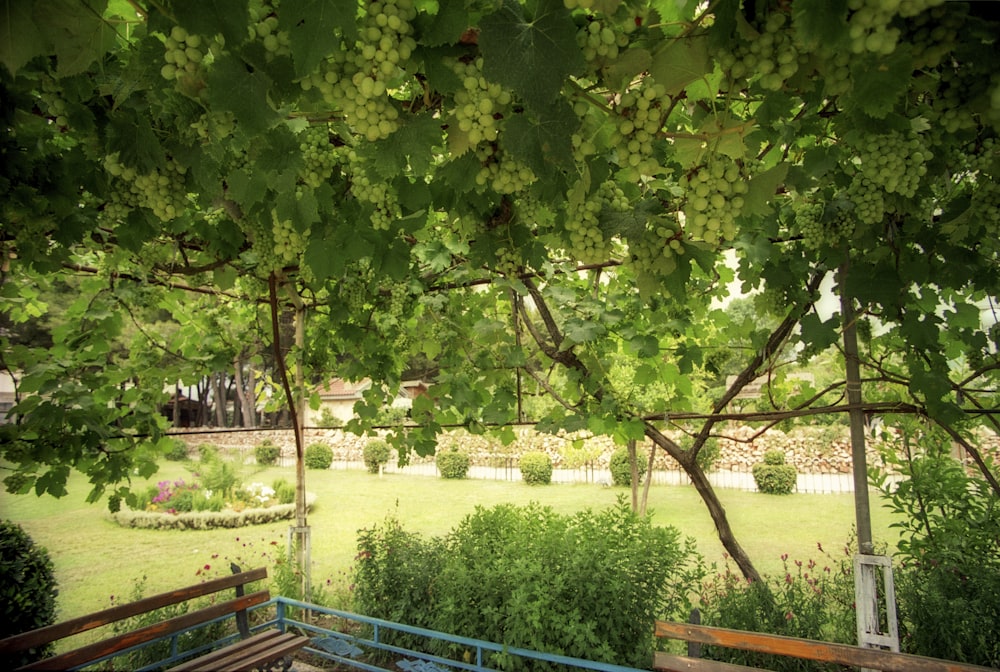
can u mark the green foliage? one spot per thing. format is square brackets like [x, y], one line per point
[948, 578]
[177, 451]
[376, 455]
[208, 453]
[284, 491]
[328, 419]
[505, 571]
[318, 456]
[811, 599]
[267, 453]
[27, 588]
[220, 475]
[536, 468]
[773, 476]
[452, 463]
[621, 468]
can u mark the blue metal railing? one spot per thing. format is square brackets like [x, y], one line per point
[365, 643]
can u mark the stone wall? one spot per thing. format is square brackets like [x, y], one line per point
[818, 450]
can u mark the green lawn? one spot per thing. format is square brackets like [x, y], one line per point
[95, 558]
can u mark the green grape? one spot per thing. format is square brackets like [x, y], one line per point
[374, 192]
[655, 250]
[870, 23]
[319, 155]
[161, 191]
[637, 123]
[714, 200]
[501, 172]
[894, 162]
[820, 227]
[770, 58]
[868, 200]
[185, 53]
[479, 104]
[586, 240]
[600, 40]
[265, 28]
[289, 243]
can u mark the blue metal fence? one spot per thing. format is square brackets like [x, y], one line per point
[365, 643]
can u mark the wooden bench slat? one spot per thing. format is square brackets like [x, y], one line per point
[247, 654]
[667, 662]
[111, 645]
[843, 654]
[51, 633]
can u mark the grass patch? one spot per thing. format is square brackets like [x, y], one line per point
[95, 558]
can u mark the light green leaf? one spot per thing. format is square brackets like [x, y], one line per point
[681, 62]
[761, 190]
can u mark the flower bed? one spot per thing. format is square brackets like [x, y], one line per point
[203, 520]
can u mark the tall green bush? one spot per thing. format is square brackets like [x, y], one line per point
[948, 558]
[27, 589]
[318, 456]
[773, 476]
[588, 585]
[376, 455]
[452, 463]
[536, 468]
[621, 469]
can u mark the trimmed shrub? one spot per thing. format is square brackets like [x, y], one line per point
[536, 468]
[452, 463]
[773, 476]
[376, 455]
[621, 470]
[177, 451]
[27, 589]
[318, 456]
[266, 453]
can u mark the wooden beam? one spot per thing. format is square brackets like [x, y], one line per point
[843, 654]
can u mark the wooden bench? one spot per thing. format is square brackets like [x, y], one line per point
[252, 651]
[841, 654]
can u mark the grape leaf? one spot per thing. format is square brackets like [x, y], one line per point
[20, 38]
[531, 55]
[629, 64]
[236, 87]
[133, 138]
[542, 140]
[821, 22]
[77, 32]
[681, 62]
[315, 28]
[325, 257]
[879, 82]
[230, 19]
[447, 26]
[762, 189]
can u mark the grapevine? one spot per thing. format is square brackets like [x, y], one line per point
[772, 57]
[893, 162]
[319, 155]
[715, 200]
[501, 172]
[637, 124]
[479, 104]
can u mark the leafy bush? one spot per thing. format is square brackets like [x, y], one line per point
[208, 453]
[266, 453]
[806, 601]
[318, 456]
[328, 419]
[177, 451]
[27, 589]
[773, 476]
[948, 578]
[452, 463]
[621, 469]
[525, 577]
[220, 476]
[536, 468]
[284, 491]
[376, 455]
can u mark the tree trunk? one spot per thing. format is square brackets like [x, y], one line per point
[220, 400]
[633, 464]
[644, 502]
[707, 493]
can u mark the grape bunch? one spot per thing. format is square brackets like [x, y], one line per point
[353, 290]
[372, 191]
[894, 162]
[289, 242]
[215, 124]
[265, 29]
[502, 172]
[55, 105]
[868, 200]
[184, 53]
[820, 226]
[772, 56]
[601, 39]
[655, 251]
[637, 123]
[479, 104]
[358, 77]
[162, 190]
[319, 155]
[586, 240]
[715, 198]
[870, 23]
